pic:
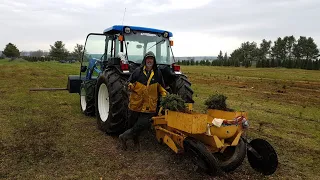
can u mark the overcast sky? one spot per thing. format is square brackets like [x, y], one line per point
[199, 27]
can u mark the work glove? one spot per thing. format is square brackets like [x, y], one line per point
[130, 86]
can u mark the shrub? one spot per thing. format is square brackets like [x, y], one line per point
[173, 102]
[217, 101]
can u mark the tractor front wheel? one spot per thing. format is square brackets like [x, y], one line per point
[87, 97]
[111, 102]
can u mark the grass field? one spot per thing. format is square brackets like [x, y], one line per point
[44, 135]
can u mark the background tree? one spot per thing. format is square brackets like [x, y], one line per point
[278, 51]
[259, 63]
[305, 50]
[202, 62]
[77, 52]
[309, 64]
[208, 63]
[249, 53]
[192, 62]
[226, 60]
[220, 56]
[37, 53]
[58, 50]
[235, 57]
[214, 63]
[274, 63]
[267, 63]
[11, 51]
[298, 49]
[290, 41]
[263, 52]
[316, 65]
[311, 49]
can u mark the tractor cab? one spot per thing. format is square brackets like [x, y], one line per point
[125, 47]
[136, 41]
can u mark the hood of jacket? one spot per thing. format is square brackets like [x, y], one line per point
[149, 54]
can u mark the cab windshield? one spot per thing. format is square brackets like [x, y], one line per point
[138, 43]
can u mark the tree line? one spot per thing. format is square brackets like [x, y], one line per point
[287, 52]
[57, 52]
[37, 58]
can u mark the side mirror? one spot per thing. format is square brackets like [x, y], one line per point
[83, 68]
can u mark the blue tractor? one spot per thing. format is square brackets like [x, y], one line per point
[109, 59]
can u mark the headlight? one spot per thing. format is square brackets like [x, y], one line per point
[127, 30]
[245, 124]
[165, 34]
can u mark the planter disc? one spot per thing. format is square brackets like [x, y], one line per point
[262, 157]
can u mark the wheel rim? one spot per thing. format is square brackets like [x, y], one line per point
[83, 99]
[103, 102]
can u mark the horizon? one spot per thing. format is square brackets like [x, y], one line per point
[199, 28]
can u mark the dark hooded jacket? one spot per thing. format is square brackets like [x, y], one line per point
[145, 87]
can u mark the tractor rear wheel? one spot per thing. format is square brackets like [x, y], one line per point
[182, 87]
[201, 156]
[232, 157]
[87, 97]
[111, 102]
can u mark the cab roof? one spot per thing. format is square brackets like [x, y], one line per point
[120, 28]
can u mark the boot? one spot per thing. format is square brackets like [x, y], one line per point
[123, 139]
[136, 143]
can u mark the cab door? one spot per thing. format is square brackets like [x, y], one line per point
[96, 51]
[97, 48]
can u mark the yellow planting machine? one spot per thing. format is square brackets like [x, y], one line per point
[216, 140]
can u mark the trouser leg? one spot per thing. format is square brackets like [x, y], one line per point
[143, 123]
[136, 142]
[128, 134]
[124, 137]
[132, 118]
